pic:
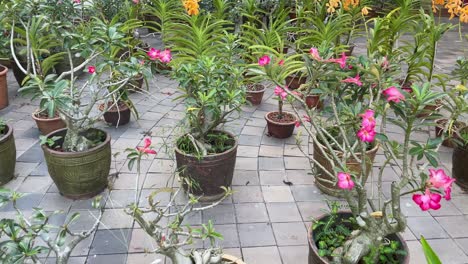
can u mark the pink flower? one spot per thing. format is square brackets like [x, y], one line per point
[76, 1]
[366, 134]
[264, 60]
[281, 63]
[341, 61]
[154, 54]
[280, 92]
[427, 200]
[344, 181]
[368, 119]
[356, 80]
[136, 1]
[315, 54]
[438, 179]
[91, 69]
[297, 124]
[393, 94]
[147, 147]
[165, 56]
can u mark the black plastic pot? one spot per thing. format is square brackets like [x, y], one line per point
[460, 164]
[315, 258]
[7, 156]
[209, 173]
[79, 175]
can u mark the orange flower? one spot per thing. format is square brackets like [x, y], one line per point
[365, 10]
[454, 7]
[464, 14]
[191, 6]
[332, 5]
[348, 4]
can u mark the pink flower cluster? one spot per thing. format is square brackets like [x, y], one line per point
[147, 147]
[367, 131]
[345, 181]
[281, 92]
[393, 94]
[305, 118]
[163, 56]
[430, 200]
[341, 61]
[356, 80]
[264, 60]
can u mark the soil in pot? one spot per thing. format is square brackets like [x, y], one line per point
[322, 177]
[293, 82]
[47, 125]
[280, 126]
[255, 93]
[449, 140]
[79, 175]
[313, 101]
[322, 242]
[207, 174]
[3, 87]
[7, 155]
[116, 115]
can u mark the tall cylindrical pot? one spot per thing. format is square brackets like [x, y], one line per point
[7, 156]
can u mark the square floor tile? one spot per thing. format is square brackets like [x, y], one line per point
[277, 194]
[272, 177]
[251, 213]
[283, 212]
[247, 194]
[220, 214]
[427, 227]
[256, 235]
[267, 163]
[247, 151]
[453, 224]
[141, 241]
[113, 241]
[294, 254]
[115, 218]
[448, 251]
[245, 177]
[102, 259]
[290, 234]
[230, 236]
[261, 255]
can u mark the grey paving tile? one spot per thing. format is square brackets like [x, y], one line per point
[230, 237]
[261, 255]
[271, 151]
[55, 201]
[251, 213]
[249, 140]
[453, 224]
[256, 235]
[221, 214]
[448, 251]
[120, 198]
[272, 177]
[35, 185]
[245, 177]
[290, 234]
[247, 194]
[311, 210]
[158, 180]
[102, 259]
[246, 164]
[113, 241]
[144, 258]
[267, 163]
[115, 219]
[426, 226]
[300, 177]
[306, 193]
[141, 242]
[296, 163]
[294, 254]
[277, 194]
[283, 212]
[247, 151]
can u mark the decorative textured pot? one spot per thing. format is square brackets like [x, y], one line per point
[232, 259]
[322, 177]
[7, 156]
[3, 87]
[47, 125]
[439, 129]
[210, 172]
[118, 115]
[460, 164]
[315, 258]
[313, 101]
[255, 96]
[293, 82]
[79, 175]
[280, 129]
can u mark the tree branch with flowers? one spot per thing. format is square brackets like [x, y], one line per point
[362, 100]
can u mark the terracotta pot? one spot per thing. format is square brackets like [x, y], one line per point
[439, 129]
[209, 172]
[313, 101]
[47, 125]
[315, 258]
[294, 82]
[255, 96]
[7, 156]
[118, 115]
[322, 177]
[3, 87]
[79, 175]
[232, 259]
[279, 129]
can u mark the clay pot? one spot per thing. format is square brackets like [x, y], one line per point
[255, 93]
[322, 177]
[313, 101]
[118, 115]
[79, 175]
[280, 129]
[3, 87]
[210, 172]
[294, 81]
[47, 125]
[7, 156]
[439, 130]
[460, 166]
[315, 258]
[232, 259]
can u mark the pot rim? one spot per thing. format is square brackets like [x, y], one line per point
[176, 148]
[7, 136]
[234, 259]
[313, 246]
[260, 91]
[280, 124]
[440, 122]
[119, 110]
[43, 119]
[75, 154]
[4, 71]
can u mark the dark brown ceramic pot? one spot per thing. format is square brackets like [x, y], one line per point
[293, 82]
[255, 93]
[47, 125]
[313, 101]
[280, 127]
[315, 258]
[460, 164]
[117, 115]
[7, 156]
[208, 173]
[449, 141]
[80, 175]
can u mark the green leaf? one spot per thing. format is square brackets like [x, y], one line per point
[431, 256]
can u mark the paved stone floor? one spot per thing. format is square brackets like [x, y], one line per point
[264, 222]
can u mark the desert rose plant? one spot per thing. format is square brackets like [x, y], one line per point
[363, 101]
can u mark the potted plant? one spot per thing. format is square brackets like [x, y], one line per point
[255, 93]
[7, 153]
[205, 155]
[3, 87]
[460, 159]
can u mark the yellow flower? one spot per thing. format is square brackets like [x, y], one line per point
[191, 6]
[365, 10]
[461, 88]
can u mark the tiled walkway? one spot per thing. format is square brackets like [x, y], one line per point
[264, 222]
